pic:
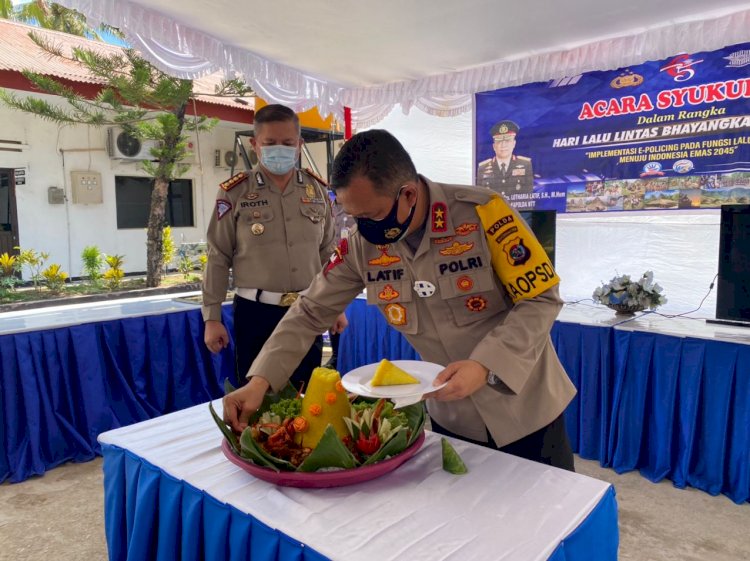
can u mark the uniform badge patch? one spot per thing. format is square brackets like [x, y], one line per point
[337, 257]
[384, 260]
[396, 314]
[252, 196]
[464, 283]
[233, 181]
[257, 229]
[439, 215]
[424, 289]
[457, 248]
[476, 303]
[310, 191]
[516, 252]
[259, 179]
[466, 228]
[223, 207]
[388, 293]
[447, 239]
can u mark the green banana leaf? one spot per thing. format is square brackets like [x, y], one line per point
[228, 434]
[394, 446]
[452, 462]
[416, 417]
[252, 451]
[330, 452]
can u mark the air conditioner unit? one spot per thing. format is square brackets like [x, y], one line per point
[225, 158]
[123, 146]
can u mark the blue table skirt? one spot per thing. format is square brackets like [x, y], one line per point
[60, 388]
[151, 515]
[672, 407]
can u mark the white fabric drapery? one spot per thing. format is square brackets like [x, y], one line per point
[188, 52]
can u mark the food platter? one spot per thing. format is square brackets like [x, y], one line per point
[323, 479]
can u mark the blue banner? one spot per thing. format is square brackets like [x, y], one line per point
[671, 134]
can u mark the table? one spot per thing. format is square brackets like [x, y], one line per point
[70, 373]
[171, 494]
[667, 396]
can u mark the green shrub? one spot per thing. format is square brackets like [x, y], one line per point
[93, 260]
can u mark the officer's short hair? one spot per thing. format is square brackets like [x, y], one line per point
[378, 156]
[275, 113]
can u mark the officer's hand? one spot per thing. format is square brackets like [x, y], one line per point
[464, 378]
[215, 336]
[340, 324]
[240, 405]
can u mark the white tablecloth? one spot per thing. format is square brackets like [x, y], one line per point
[504, 508]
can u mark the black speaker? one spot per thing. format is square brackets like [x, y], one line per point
[733, 287]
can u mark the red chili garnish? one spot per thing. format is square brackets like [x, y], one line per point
[368, 445]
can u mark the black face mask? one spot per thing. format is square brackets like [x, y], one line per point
[387, 230]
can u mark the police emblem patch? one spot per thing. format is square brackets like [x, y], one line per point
[466, 228]
[396, 314]
[310, 191]
[257, 229]
[476, 303]
[252, 196]
[516, 252]
[424, 289]
[384, 260]
[388, 293]
[464, 283]
[392, 233]
[457, 248]
[223, 207]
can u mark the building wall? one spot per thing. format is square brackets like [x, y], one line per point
[63, 230]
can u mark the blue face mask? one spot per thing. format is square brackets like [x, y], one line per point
[278, 159]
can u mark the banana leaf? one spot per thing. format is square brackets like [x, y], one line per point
[394, 446]
[228, 434]
[416, 417]
[252, 451]
[228, 387]
[329, 453]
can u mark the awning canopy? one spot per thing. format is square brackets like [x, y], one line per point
[433, 54]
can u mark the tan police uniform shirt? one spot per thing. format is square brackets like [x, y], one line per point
[469, 316]
[272, 240]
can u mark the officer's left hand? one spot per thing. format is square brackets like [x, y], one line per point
[340, 324]
[464, 377]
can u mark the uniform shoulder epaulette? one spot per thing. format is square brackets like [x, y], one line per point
[233, 181]
[316, 177]
[476, 195]
[486, 162]
[523, 158]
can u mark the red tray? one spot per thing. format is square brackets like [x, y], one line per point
[319, 480]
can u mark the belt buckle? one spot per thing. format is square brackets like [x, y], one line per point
[288, 298]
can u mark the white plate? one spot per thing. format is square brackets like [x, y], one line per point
[358, 380]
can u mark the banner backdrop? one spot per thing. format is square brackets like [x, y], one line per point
[672, 134]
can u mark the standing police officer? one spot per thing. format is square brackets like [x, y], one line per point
[273, 228]
[506, 173]
[458, 272]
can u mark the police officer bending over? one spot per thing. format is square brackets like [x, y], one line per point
[273, 227]
[457, 271]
